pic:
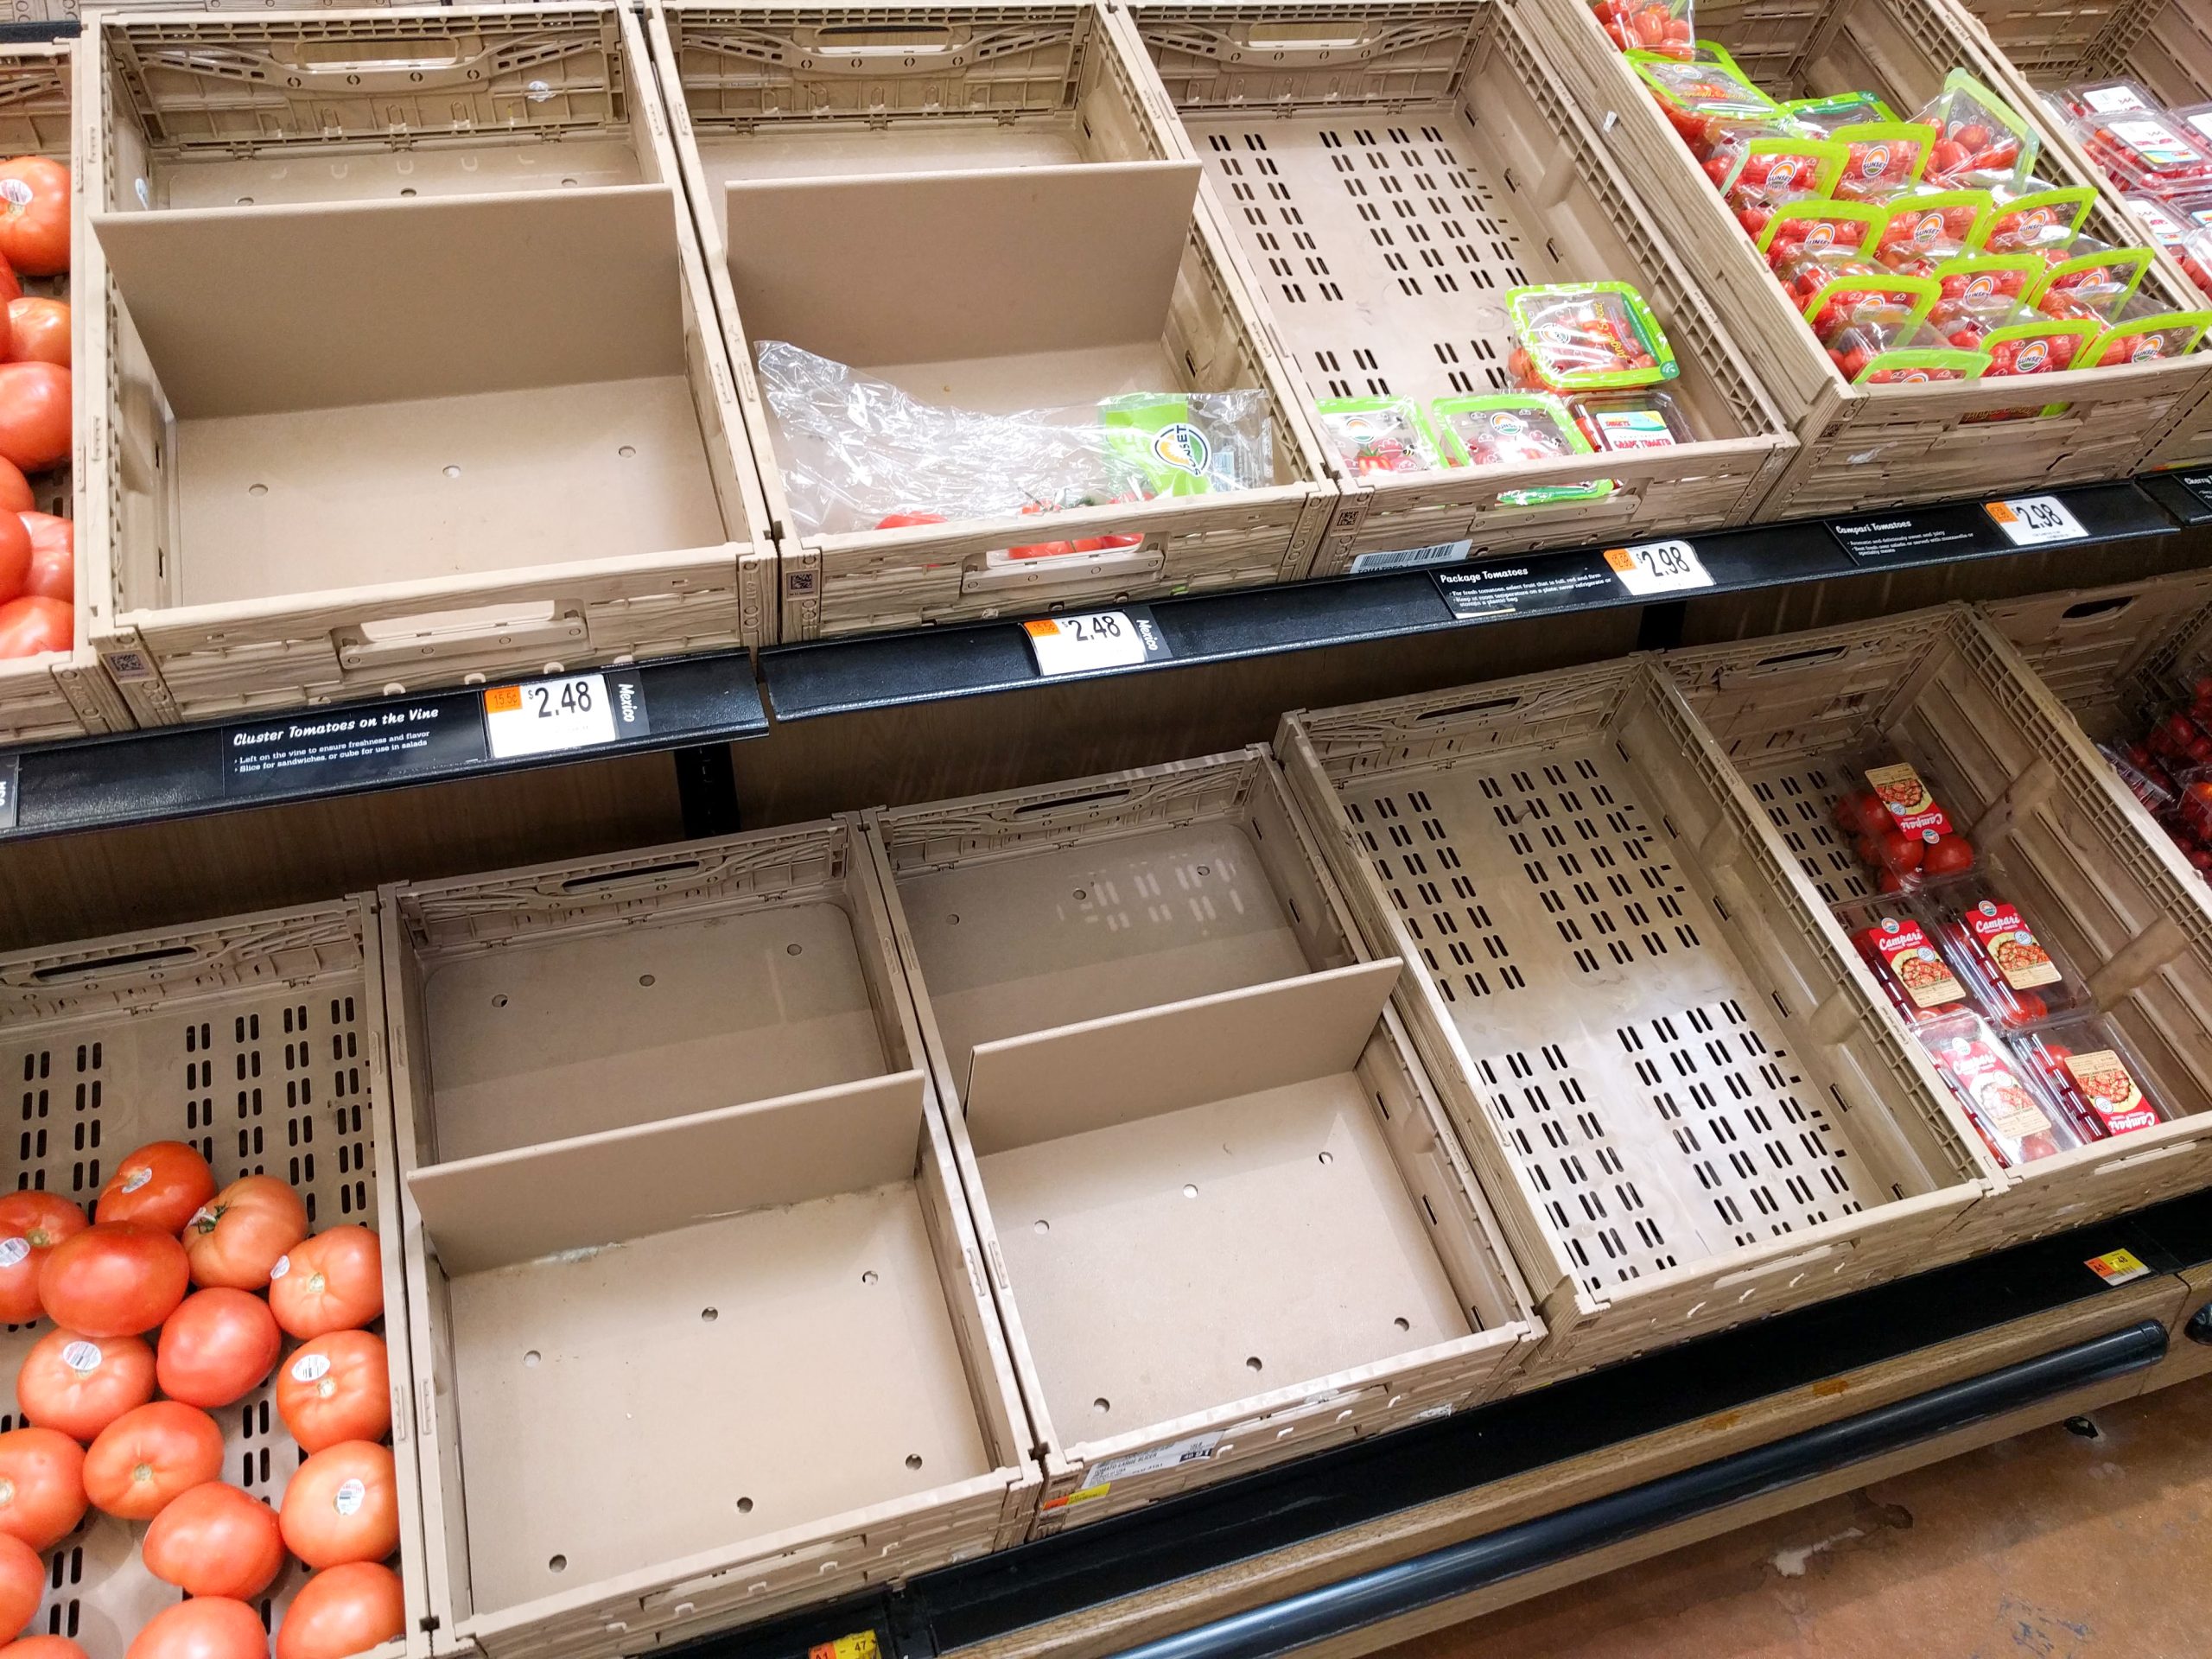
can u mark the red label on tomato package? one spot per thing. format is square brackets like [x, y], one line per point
[2008, 945]
[2106, 1086]
[1911, 805]
[1907, 956]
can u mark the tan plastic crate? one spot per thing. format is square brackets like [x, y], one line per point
[62, 693]
[259, 1040]
[2113, 655]
[2053, 827]
[1452, 126]
[352, 441]
[1669, 1073]
[1225, 1220]
[944, 99]
[1872, 447]
[703, 1326]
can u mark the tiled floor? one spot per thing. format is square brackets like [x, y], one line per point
[2052, 1546]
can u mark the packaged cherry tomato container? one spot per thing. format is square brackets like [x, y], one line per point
[1982, 142]
[2057, 841]
[247, 1046]
[2013, 1108]
[1815, 226]
[2099, 1085]
[1380, 434]
[1706, 101]
[1871, 353]
[2037, 217]
[2095, 280]
[1875, 302]
[1927, 229]
[1882, 158]
[1588, 337]
[2102, 97]
[1512, 427]
[2146, 150]
[2141, 332]
[1664, 27]
[1826, 115]
[1619, 422]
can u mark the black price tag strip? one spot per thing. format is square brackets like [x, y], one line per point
[344, 748]
[1524, 587]
[1912, 535]
[11, 778]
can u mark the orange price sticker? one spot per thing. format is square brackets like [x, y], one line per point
[503, 700]
[1043, 629]
[2118, 1267]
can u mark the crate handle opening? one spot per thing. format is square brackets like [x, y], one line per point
[109, 964]
[1097, 797]
[627, 878]
[1313, 37]
[886, 39]
[1492, 706]
[2089, 609]
[335, 57]
[1789, 659]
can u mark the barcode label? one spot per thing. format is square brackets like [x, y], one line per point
[1434, 553]
[2033, 520]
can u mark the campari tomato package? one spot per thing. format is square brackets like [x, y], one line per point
[2039, 218]
[1376, 435]
[2013, 974]
[1586, 337]
[1912, 973]
[2004, 1101]
[2106, 98]
[1618, 421]
[1981, 140]
[2097, 277]
[2097, 1081]
[1927, 229]
[1510, 429]
[1664, 27]
[1816, 223]
[1706, 100]
[1826, 115]
[1882, 158]
[2143, 331]
[1897, 826]
[2146, 150]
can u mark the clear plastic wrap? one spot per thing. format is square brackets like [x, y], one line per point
[858, 454]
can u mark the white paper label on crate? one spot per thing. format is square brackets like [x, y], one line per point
[82, 1358]
[2105, 99]
[2034, 520]
[571, 711]
[349, 1496]
[1077, 644]
[1196, 1449]
[1657, 567]
[310, 1368]
[283, 1266]
[1413, 557]
[12, 1250]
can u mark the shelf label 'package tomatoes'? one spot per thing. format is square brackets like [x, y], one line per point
[1587, 337]
[1376, 435]
[1505, 428]
[2017, 1122]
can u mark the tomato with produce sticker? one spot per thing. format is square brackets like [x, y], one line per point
[204, 1627]
[72, 1384]
[38, 330]
[34, 215]
[341, 1611]
[342, 1504]
[42, 1485]
[217, 1347]
[237, 1237]
[34, 414]
[115, 1279]
[334, 1282]
[336, 1388]
[31, 1223]
[22, 1587]
[160, 1185]
[215, 1541]
[53, 557]
[147, 1457]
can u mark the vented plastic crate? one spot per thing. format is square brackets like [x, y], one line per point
[901, 145]
[703, 1323]
[1225, 1219]
[1674, 1082]
[1871, 447]
[2053, 831]
[259, 1040]
[405, 371]
[60, 693]
[1387, 172]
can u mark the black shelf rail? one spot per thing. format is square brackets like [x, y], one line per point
[698, 702]
[1238, 1520]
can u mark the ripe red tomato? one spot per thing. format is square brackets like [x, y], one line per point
[206, 1627]
[15, 489]
[38, 330]
[42, 1647]
[1948, 856]
[342, 1504]
[161, 1184]
[15, 555]
[31, 1223]
[30, 625]
[1899, 851]
[33, 413]
[336, 1388]
[341, 1611]
[42, 1485]
[34, 215]
[53, 553]
[23, 1586]
[217, 1347]
[79, 1386]
[904, 520]
[145, 1458]
[113, 1280]
[238, 1235]
[334, 1282]
[215, 1541]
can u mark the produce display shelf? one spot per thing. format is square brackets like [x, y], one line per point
[1003, 1601]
